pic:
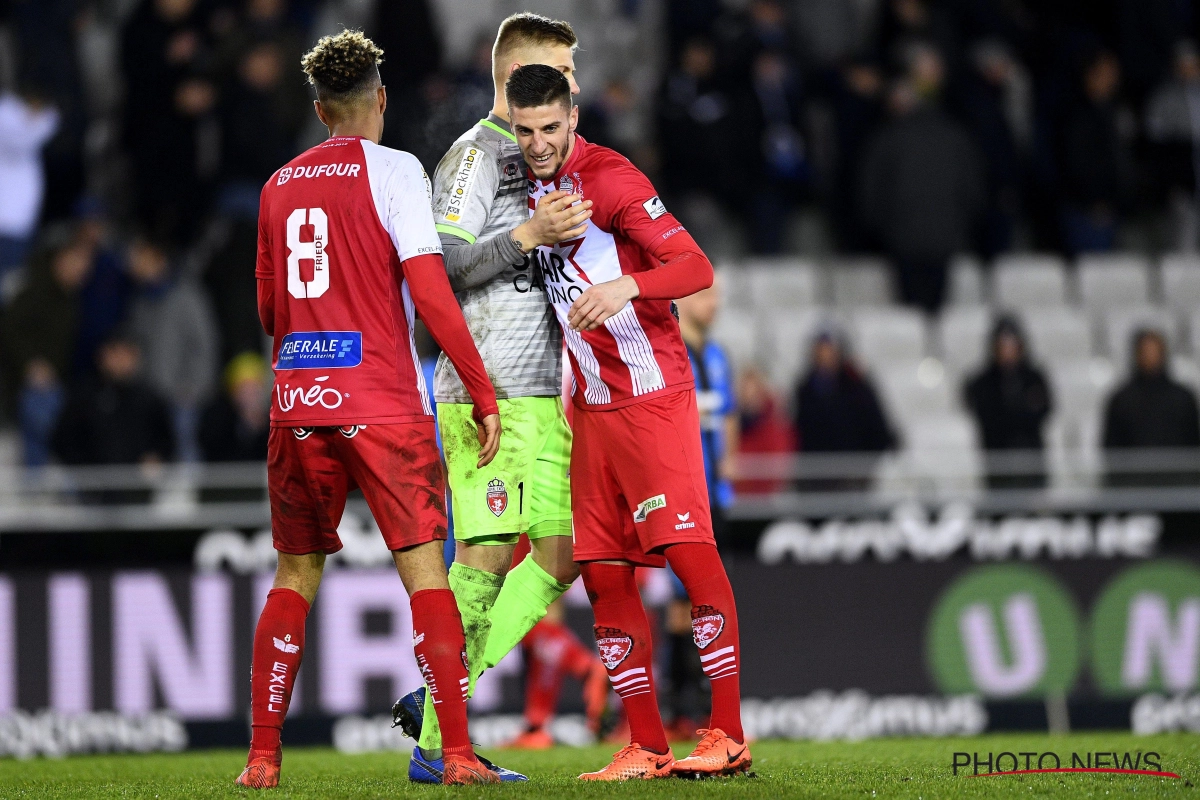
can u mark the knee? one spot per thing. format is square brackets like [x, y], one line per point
[301, 574]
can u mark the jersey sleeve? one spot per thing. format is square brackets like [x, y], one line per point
[465, 184]
[402, 195]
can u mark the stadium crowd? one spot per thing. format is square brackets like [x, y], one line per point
[135, 135]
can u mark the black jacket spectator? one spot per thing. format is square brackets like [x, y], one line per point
[237, 424]
[837, 409]
[114, 418]
[1010, 401]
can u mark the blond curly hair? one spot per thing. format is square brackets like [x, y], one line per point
[343, 67]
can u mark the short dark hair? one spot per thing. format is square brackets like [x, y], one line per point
[537, 85]
[526, 29]
[343, 68]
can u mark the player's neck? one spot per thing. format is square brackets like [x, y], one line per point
[500, 107]
[363, 127]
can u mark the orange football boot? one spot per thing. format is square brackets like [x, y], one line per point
[716, 754]
[634, 761]
[536, 739]
[262, 770]
[460, 771]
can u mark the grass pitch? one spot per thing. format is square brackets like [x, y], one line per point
[908, 768]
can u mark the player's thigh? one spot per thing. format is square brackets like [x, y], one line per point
[659, 442]
[399, 470]
[602, 519]
[549, 487]
[490, 504]
[306, 485]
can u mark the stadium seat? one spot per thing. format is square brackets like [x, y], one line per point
[1081, 387]
[785, 282]
[736, 331]
[1057, 334]
[914, 390]
[882, 336]
[966, 282]
[1029, 280]
[1120, 324]
[785, 343]
[1113, 280]
[961, 338]
[860, 282]
[943, 452]
[1180, 276]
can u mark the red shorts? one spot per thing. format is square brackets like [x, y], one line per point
[398, 468]
[637, 480]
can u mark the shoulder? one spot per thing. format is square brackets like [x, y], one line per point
[386, 158]
[474, 148]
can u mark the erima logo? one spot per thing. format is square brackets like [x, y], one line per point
[283, 644]
[654, 207]
[683, 521]
[646, 506]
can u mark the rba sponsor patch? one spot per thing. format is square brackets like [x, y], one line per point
[707, 624]
[461, 189]
[614, 645]
[649, 504]
[497, 496]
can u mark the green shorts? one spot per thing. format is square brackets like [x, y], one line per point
[526, 488]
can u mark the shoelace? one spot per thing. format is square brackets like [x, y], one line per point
[626, 750]
[708, 740]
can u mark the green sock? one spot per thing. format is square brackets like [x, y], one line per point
[528, 591]
[476, 592]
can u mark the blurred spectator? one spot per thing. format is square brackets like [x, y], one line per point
[714, 397]
[26, 124]
[701, 137]
[856, 93]
[741, 36]
[104, 299]
[612, 121]
[236, 424]
[1173, 130]
[168, 128]
[1010, 400]
[172, 322]
[772, 113]
[837, 409]
[1151, 410]
[1095, 163]
[921, 188]
[261, 117]
[996, 102]
[114, 418]
[1147, 30]
[39, 337]
[762, 429]
[830, 32]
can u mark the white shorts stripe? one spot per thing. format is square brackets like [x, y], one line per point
[710, 656]
[620, 676]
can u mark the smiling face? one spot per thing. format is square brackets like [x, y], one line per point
[546, 135]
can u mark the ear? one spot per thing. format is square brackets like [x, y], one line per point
[573, 119]
[513, 67]
[321, 113]
[382, 98]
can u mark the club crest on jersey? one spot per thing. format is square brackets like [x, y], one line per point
[649, 504]
[707, 624]
[510, 170]
[497, 496]
[614, 645]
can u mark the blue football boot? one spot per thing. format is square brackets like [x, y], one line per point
[408, 713]
[429, 770]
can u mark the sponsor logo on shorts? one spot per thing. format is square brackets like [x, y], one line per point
[461, 189]
[650, 504]
[614, 645]
[320, 350]
[685, 521]
[707, 624]
[654, 207]
[285, 645]
[497, 496]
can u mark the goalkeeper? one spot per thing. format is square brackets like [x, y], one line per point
[482, 215]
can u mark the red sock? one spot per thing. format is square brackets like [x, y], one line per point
[278, 648]
[623, 638]
[714, 629]
[441, 653]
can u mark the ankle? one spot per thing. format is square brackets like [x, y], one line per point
[432, 754]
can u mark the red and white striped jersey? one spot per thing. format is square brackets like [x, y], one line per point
[335, 225]
[639, 352]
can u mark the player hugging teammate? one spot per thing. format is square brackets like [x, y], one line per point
[542, 236]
